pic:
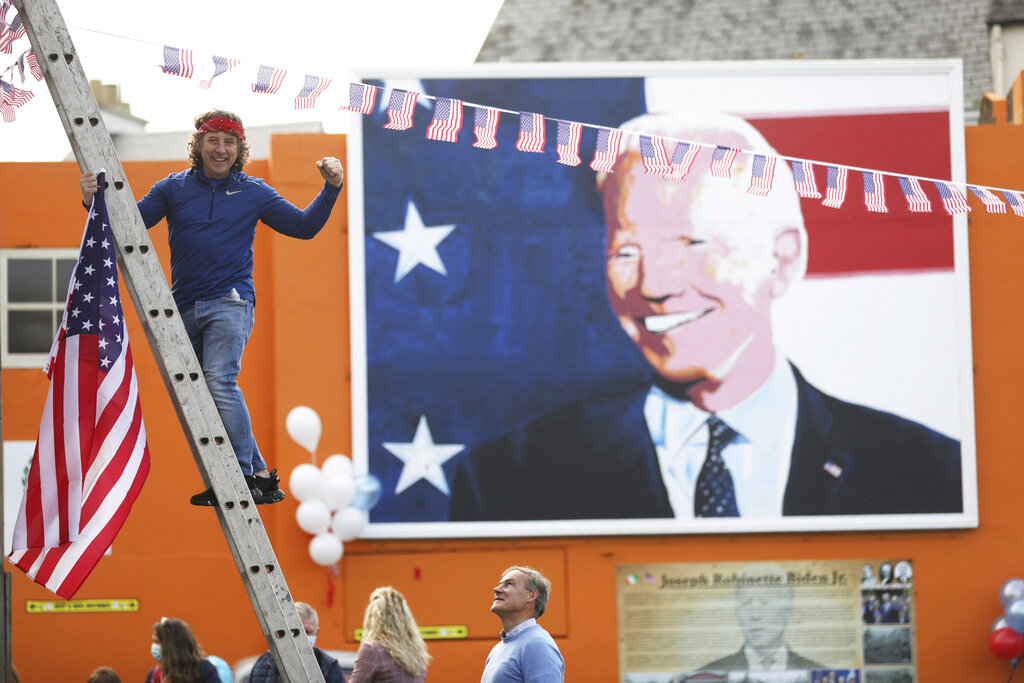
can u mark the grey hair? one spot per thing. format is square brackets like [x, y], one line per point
[535, 581]
[307, 615]
[723, 204]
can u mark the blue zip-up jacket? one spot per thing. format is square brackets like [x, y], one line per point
[211, 225]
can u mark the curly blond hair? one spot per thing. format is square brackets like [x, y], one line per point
[194, 147]
[389, 621]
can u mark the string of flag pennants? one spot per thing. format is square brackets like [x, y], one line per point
[664, 156]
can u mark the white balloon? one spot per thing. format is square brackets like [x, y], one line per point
[303, 425]
[337, 464]
[305, 481]
[348, 523]
[313, 517]
[337, 490]
[326, 549]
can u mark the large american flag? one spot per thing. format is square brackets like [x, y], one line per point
[361, 98]
[993, 204]
[654, 156]
[312, 88]
[268, 79]
[606, 149]
[682, 160]
[569, 143]
[221, 65]
[485, 127]
[721, 161]
[91, 458]
[762, 175]
[531, 132]
[952, 199]
[835, 186]
[447, 120]
[400, 109]
[177, 61]
[874, 192]
[917, 200]
[803, 178]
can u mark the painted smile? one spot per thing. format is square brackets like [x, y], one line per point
[659, 324]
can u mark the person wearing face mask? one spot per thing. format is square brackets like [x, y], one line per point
[180, 659]
[265, 670]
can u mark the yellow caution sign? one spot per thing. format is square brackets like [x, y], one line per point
[433, 632]
[82, 606]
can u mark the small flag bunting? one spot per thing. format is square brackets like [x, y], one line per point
[606, 150]
[361, 98]
[803, 178]
[531, 132]
[874, 192]
[221, 65]
[917, 200]
[721, 161]
[12, 97]
[447, 120]
[10, 33]
[762, 175]
[993, 204]
[835, 186]
[485, 127]
[33, 65]
[654, 156]
[401, 105]
[312, 88]
[1015, 201]
[682, 160]
[569, 143]
[952, 199]
[177, 62]
[268, 80]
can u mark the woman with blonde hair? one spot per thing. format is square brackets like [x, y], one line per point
[392, 650]
[180, 659]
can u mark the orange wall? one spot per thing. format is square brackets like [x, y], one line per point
[173, 557]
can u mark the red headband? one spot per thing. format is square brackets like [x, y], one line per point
[221, 123]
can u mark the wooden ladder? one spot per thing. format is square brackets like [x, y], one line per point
[142, 274]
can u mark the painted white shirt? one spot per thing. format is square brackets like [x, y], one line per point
[758, 458]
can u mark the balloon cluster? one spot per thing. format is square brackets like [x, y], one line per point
[1006, 639]
[333, 501]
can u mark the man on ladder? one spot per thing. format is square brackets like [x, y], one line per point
[211, 210]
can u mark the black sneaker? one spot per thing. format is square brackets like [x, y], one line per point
[204, 499]
[265, 490]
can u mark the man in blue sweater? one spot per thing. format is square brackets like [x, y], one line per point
[526, 652]
[212, 210]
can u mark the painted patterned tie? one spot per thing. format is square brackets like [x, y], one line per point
[715, 495]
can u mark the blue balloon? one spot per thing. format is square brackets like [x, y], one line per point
[367, 492]
[1010, 591]
[1015, 615]
[223, 669]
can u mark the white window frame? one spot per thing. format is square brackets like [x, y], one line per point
[28, 360]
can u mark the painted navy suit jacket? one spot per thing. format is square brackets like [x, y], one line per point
[595, 460]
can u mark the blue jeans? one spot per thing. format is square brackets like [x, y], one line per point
[219, 329]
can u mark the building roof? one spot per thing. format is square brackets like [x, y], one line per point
[695, 30]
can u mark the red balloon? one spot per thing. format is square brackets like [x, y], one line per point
[1006, 643]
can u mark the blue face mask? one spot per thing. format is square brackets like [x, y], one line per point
[156, 651]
